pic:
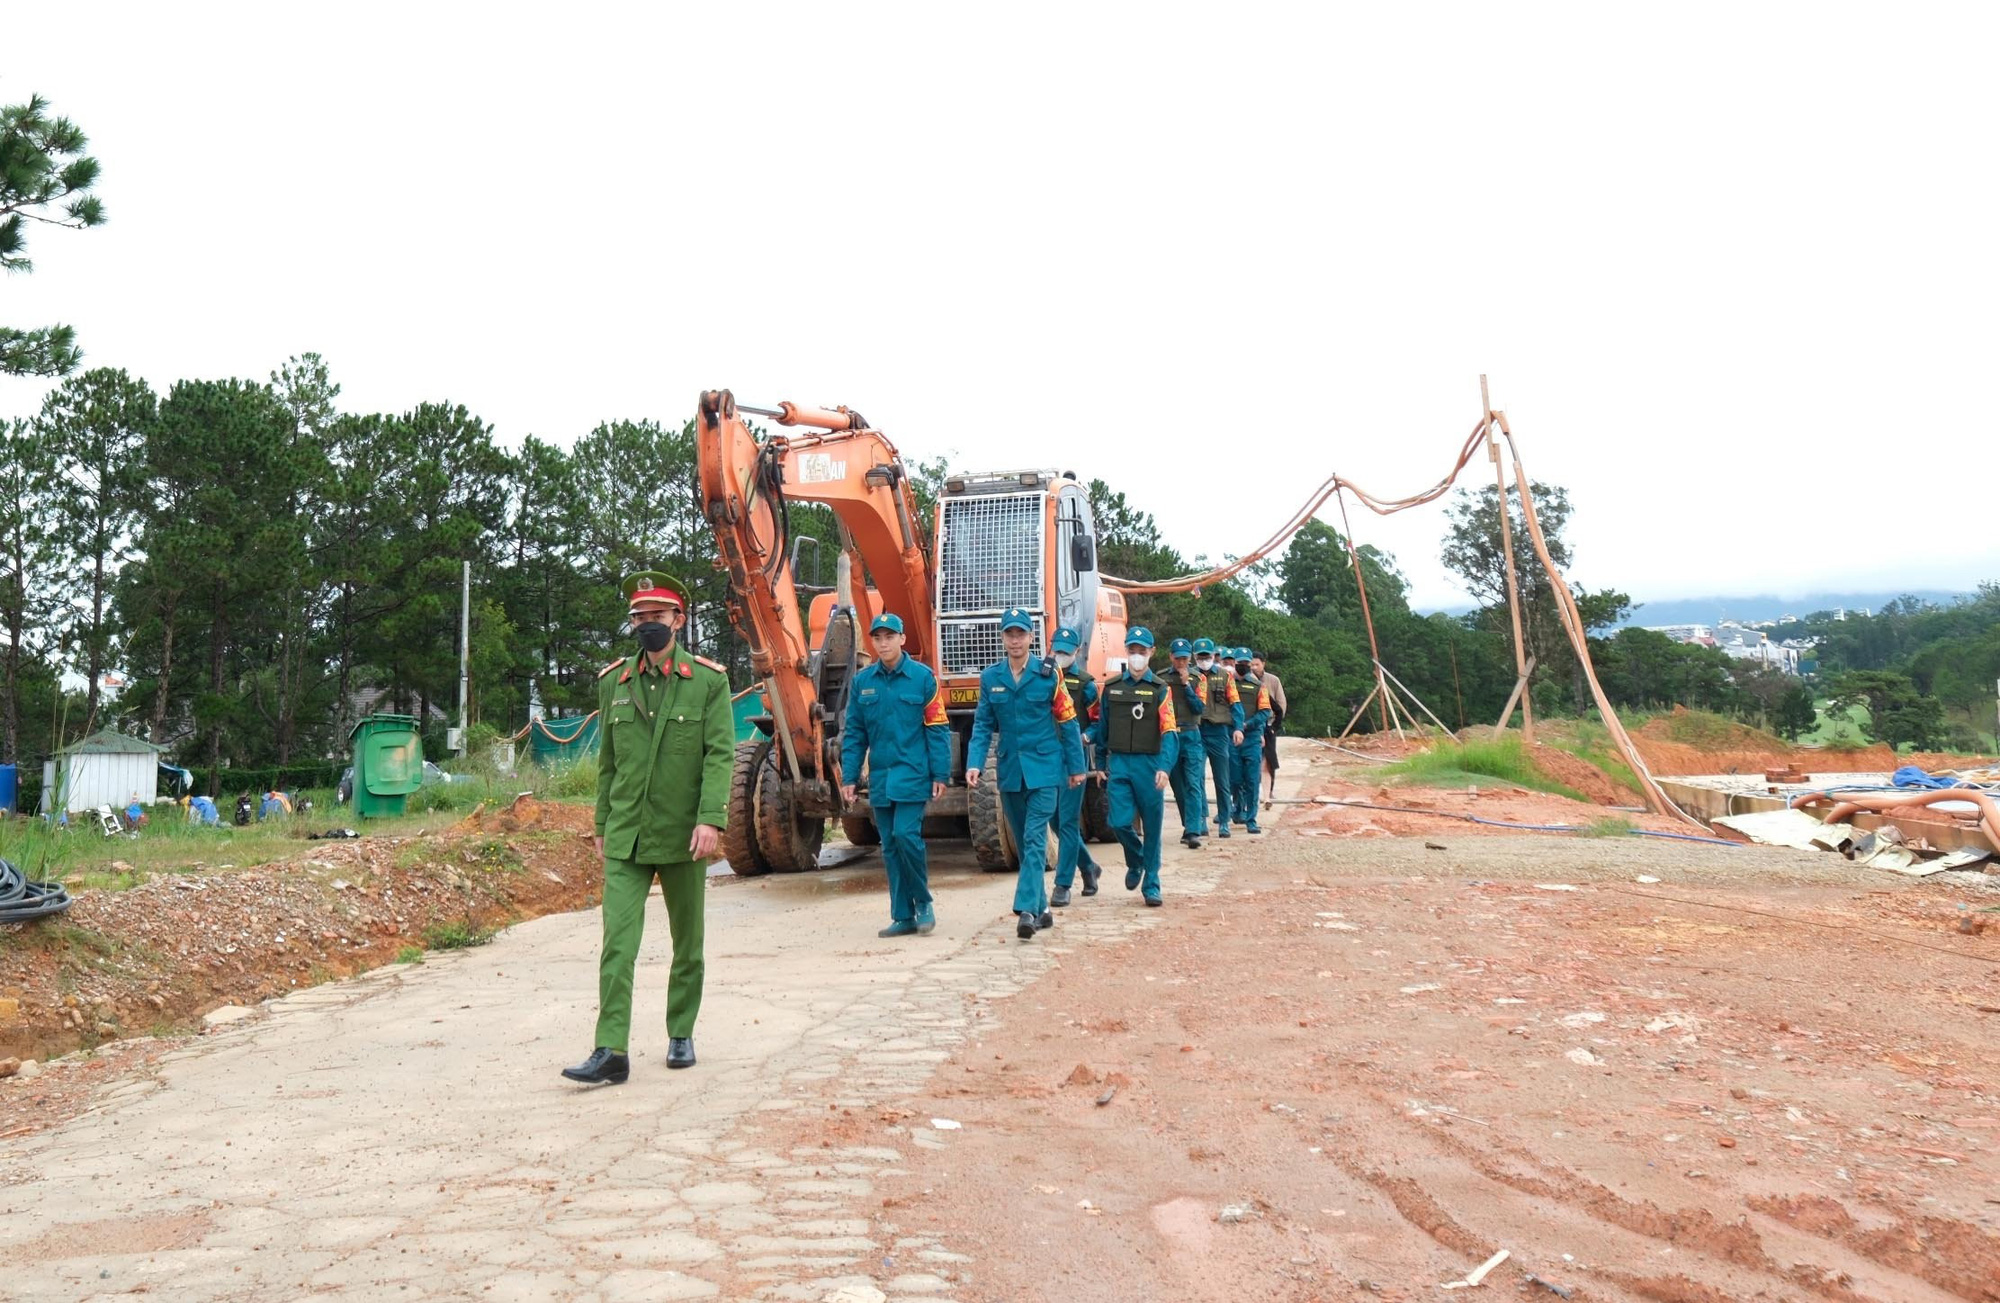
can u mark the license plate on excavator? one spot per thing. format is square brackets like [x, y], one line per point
[963, 696]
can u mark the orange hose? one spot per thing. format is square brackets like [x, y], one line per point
[1851, 803]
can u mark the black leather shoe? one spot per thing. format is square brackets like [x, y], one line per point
[1153, 902]
[1044, 921]
[1090, 875]
[1059, 898]
[1192, 843]
[680, 1051]
[603, 1067]
[1024, 926]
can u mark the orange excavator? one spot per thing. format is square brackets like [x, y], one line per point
[1008, 539]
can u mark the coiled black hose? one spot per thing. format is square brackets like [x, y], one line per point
[22, 900]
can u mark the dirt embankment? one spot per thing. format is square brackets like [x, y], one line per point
[1687, 743]
[155, 958]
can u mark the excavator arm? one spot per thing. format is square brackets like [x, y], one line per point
[745, 484]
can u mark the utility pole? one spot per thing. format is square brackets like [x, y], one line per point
[464, 649]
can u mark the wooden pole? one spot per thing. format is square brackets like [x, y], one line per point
[1413, 697]
[1513, 587]
[1357, 715]
[1361, 585]
[1507, 711]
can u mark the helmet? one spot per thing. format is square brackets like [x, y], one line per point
[1065, 639]
[1180, 647]
[1204, 646]
[1139, 636]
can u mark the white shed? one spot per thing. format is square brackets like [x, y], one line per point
[103, 769]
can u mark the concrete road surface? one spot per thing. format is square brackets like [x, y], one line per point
[406, 1135]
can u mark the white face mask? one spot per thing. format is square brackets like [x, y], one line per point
[1203, 662]
[1065, 659]
[1135, 661]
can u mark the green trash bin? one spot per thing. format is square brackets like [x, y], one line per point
[388, 764]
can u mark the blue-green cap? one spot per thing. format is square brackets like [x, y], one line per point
[893, 623]
[1066, 639]
[1180, 647]
[1139, 636]
[1204, 646]
[1225, 653]
[1244, 653]
[1016, 618]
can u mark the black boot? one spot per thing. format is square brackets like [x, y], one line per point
[1090, 875]
[1044, 921]
[1059, 897]
[602, 1067]
[680, 1051]
[1024, 926]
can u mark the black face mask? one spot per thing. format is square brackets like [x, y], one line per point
[654, 638]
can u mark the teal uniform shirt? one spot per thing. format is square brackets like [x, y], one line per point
[1035, 722]
[896, 719]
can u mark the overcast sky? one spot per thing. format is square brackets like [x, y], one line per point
[1731, 268]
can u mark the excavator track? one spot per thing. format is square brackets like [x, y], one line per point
[739, 835]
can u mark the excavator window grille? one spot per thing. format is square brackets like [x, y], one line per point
[969, 646]
[993, 554]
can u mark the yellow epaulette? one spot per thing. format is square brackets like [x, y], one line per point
[612, 666]
[706, 663]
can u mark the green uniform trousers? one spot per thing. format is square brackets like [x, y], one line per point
[626, 886]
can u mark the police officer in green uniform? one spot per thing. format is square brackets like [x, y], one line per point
[1138, 739]
[662, 791]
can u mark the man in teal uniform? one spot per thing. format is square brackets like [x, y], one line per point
[662, 792]
[896, 719]
[1023, 703]
[1138, 741]
[1190, 796]
[1221, 728]
[1256, 698]
[1072, 852]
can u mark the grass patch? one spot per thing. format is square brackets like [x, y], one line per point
[575, 781]
[1476, 764]
[1607, 827]
[1838, 730]
[1590, 741]
[461, 935]
[410, 955]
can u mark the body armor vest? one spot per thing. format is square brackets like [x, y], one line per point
[1217, 710]
[1249, 687]
[1074, 682]
[1186, 718]
[1132, 715]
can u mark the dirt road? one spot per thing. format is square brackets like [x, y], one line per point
[405, 1135]
[1384, 1060]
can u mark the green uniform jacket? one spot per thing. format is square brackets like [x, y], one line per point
[657, 779]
